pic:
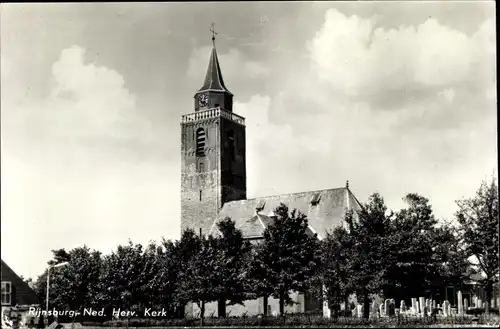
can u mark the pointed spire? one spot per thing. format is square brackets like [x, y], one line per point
[213, 78]
[347, 184]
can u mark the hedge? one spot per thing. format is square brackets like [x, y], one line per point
[301, 320]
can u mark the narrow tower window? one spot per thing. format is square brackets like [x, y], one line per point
[200, 142]
[200, 195]
[231, 146]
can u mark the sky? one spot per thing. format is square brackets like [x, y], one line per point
[394, 97]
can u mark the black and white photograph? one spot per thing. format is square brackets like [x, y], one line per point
[327, 164]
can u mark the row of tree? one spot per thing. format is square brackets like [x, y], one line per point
[394, 254]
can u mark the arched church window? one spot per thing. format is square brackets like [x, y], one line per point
[200, 142]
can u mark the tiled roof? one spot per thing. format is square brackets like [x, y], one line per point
[213, 79]
[324, 210]
[475, 277]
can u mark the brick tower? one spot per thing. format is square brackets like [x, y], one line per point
[213, 162]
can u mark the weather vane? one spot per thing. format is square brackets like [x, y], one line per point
[212, 29]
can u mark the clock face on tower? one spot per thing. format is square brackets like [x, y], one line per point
[202, 100]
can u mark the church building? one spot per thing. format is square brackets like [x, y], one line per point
[213, 181]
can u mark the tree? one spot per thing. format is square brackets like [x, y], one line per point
[60, 256]
[335, 254]
[370, 249]
[478, 219]
[166, 280]
[126, 274]
[232, 254]
[151, 266]
[417, 250]
[288, 258]
[74, 286]
[259, 281]
[186, 249]
[200, 280]
[451, 256]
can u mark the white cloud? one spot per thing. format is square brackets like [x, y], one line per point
[360, 60]
[78, 161]
[440, 138]
[71, 174]
[448, 94]
[86, 103]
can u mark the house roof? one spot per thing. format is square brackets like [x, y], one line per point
[213, 78]
[324, 210]
[25, 294]
[6, 268]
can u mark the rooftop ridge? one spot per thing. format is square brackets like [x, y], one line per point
[294, 193]
[356, 199]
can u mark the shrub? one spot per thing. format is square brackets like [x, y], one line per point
[478, 311]
[303, 320]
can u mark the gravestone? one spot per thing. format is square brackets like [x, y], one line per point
[460, 304]
[413, 304]
[445, 308]
[466, 305]
[387, 307]
[421, 304]
[417, 307]
[479, 303]
[381, 310]
[359, 308]
[374, 308]
[392, 309]
[433, 304]
[402, 306]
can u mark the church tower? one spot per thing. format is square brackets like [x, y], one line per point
[213, 161]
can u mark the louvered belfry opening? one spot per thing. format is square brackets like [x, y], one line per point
[200, 142]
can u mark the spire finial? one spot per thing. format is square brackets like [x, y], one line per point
[347, 184]
[212, 29]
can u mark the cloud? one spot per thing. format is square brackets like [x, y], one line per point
[394, 111]
[365, 62]
[78, 161]
[88, 106]
[91, 148]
